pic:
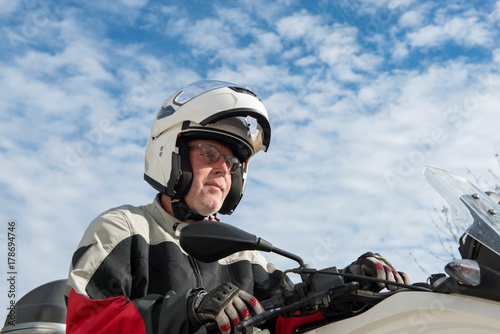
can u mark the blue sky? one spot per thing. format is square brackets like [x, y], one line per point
[361, 96]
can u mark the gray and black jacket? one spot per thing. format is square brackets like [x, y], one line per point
[130, 275]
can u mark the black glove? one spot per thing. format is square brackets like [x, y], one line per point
[226, 305]
[374, 265]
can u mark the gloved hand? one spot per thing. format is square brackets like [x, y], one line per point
[374, 265]
[227, 305]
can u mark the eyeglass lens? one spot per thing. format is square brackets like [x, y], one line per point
[212, 154]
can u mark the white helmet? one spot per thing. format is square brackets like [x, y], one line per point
[213, 110]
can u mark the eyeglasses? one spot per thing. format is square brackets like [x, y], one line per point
[211, 154]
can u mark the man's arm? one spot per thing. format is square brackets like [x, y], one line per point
[150, 314]
[109, 283]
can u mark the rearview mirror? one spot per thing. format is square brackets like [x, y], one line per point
[465, 271]
[211, 241]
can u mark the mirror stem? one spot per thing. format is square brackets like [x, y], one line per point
[266, 246]
[289, 255]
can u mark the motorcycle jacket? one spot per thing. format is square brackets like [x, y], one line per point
[130, 275]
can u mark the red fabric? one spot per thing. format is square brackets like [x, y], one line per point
[111, 315]
[290, 325]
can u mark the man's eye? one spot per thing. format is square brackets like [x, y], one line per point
[210, 155]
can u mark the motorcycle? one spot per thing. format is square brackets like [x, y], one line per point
[464, 299]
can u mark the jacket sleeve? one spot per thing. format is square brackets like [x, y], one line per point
[150, 314]
[108, 283]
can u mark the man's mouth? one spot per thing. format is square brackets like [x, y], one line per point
[216, 185]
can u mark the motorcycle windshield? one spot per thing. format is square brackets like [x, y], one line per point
[472, 210]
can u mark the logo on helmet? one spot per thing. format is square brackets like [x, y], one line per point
[165, 111]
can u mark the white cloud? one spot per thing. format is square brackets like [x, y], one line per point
[306, 61]
[335, 45]
[390, 4]
[414, 17]
[467, 31]
[299, 25]
[8, 6]
[496, 55]
[394, 4]
[400, 51]
[496, 13]
[269, 43]
[135, 3]
[206, 35]
[241, 22]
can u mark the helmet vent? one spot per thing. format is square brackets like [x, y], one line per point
[165, 111]
[243, 90]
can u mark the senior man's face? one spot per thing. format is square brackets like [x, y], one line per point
[211, 181]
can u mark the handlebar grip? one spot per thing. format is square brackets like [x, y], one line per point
[268, 304]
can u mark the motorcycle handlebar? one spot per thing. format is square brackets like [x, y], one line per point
[314, 299]
[275, 306]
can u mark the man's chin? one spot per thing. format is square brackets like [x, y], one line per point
[207, 209]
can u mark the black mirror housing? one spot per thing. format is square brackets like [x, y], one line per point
[211, 241]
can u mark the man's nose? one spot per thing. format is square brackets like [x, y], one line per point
[221, 166]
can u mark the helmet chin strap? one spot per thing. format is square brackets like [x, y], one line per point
[183, 212]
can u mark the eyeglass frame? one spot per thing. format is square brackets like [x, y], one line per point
[232, 159]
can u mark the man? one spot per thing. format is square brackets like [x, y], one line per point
[129, 273]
